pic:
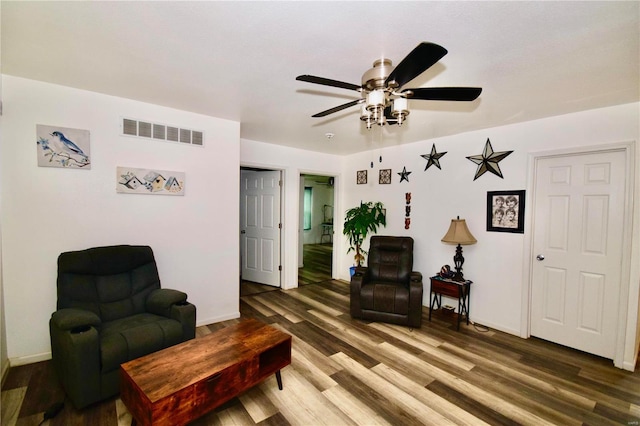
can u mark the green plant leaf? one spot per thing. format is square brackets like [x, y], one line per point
[361, 221]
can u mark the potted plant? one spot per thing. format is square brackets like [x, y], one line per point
[358, 223]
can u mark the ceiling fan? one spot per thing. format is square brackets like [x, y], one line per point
[384, 100]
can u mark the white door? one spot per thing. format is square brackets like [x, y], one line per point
[260, 226]
[577, 249]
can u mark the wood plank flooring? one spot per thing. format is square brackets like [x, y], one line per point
[317, 264]
[347, 372]
[317, 268]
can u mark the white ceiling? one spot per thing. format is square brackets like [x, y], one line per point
[239, 60]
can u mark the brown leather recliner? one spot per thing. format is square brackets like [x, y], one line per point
[388, 290]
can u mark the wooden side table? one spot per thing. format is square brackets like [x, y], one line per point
[460, 290]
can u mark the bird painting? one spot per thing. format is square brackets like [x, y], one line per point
[66, 145]
[58, 149]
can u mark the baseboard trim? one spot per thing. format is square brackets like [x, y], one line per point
[5, 370]
[497, 327]
[629, 366]
[29, 359]
[213, 320]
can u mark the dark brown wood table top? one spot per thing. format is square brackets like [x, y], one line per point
[167, 371]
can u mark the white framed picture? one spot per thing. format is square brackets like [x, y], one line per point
[149, 181]
[63, 147]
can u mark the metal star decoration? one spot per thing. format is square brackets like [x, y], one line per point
[433, 159]
[488, 161]
[404, 174]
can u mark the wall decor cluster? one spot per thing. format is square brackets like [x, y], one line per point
[361, 177]
[407, 210]
[149, 181]
[384, 177]
[63, 147]
[505, 211]
[433, 159]
[404, 175]
[488, 160]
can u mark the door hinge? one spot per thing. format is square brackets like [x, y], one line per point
[279, 226]
[279, 267]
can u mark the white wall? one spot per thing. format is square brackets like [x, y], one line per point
[293, 162]
[4, 357]
[46, 211]
[495, 263]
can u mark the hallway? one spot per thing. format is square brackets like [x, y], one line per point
[317, 264]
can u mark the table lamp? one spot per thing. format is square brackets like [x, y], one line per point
[459, 234]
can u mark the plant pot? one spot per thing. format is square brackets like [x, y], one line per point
[352, 271]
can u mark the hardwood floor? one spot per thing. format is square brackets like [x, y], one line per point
[317, 264]
[317, 268]
[346, 371]
[248, 288]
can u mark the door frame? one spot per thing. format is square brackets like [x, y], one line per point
[336, 179]
[280, 252]
[625, 277]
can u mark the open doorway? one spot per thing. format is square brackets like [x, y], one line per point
[316, 228]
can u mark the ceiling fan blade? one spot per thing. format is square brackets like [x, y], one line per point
[328, 82]
[444, 93]
[338, 108]
[416, 62]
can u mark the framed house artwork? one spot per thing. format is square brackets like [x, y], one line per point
[63, 147]
[149, 181]
[505, 211]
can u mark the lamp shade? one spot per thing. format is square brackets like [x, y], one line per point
[458, 233]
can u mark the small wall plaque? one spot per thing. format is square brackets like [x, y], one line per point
[384, 177]
[361, 177]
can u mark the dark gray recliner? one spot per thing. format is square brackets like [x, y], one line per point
[111, 310]
[388, 290]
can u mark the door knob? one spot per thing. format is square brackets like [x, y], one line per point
[540, 257]
[243, 232]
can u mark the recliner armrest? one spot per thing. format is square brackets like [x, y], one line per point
[159, 301]
[185, 313]
[361, 270]
[359, 277]
[416, 276]
[357, 280]
[75, 320]
[75, 351]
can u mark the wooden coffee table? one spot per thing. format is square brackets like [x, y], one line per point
[179, 384]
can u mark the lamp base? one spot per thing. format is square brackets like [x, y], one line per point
[458, 261]
[458, 277]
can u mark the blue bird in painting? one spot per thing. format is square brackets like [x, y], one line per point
[67, 145]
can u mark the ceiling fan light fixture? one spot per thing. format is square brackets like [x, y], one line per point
[400, 109]
[366, 116]
[376, 100]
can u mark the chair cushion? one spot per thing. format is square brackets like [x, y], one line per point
[113, 281]
[390, 259]
[385, 297]
[132, 337]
